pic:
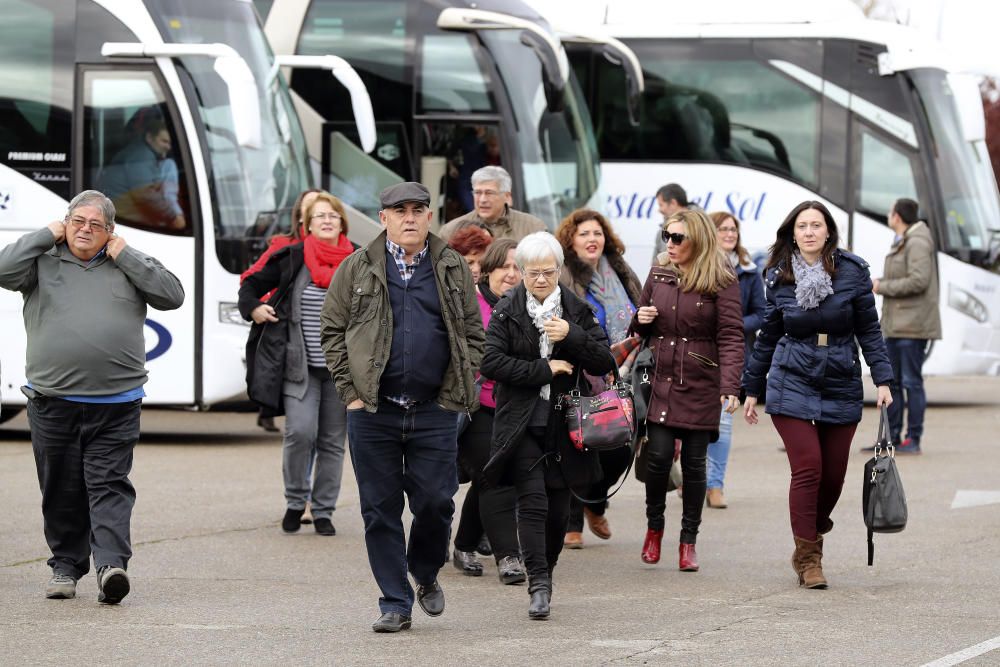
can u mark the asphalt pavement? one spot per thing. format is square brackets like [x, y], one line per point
[215, 581]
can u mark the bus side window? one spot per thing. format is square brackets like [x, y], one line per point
[130, 151]
[886, 175]
[36, 93]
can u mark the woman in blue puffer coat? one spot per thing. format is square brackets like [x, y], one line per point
[819, 307]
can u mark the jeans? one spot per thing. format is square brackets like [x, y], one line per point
[315, 425]
[83, 455]
[411, 451]
[659, 458]
[718, 452]
[817, 454]
[490, 509]
[542, 511]
[907, 358]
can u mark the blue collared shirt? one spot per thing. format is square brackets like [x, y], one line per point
[398, 254]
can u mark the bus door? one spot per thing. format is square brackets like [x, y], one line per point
[134, 151]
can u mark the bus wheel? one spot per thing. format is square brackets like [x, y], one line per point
[7, 414]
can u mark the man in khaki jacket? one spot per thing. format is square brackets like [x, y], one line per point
[491, 194]
[910, 318]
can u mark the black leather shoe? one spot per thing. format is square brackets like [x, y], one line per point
[510, 570]
[431, 598]
[484, 547]
[391, 621]
[324, 527]
[292, 520]
[467, 563]
[540, 590]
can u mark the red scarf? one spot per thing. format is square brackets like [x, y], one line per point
[324, 258]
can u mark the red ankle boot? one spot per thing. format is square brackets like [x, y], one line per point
[688, 561]
[651, 547]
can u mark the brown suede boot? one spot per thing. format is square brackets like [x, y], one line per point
[807, 561]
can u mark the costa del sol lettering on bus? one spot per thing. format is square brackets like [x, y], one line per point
[632, 205]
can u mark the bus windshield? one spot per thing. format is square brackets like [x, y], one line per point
[558, 150]
[253, 189]
[968, 189]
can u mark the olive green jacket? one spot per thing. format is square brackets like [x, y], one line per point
[356, 325]
[909, 287]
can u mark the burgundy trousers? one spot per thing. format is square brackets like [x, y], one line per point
[817, 453]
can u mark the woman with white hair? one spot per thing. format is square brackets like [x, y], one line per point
[539, 340]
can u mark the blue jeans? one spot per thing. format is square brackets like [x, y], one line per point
[718, 452]
[413, 451]
[907, 358]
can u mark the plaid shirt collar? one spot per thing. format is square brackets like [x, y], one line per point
[405, 270]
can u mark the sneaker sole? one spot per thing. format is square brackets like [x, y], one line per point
[114, 590]
[60, 595]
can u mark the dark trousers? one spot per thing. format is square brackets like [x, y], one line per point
[659, 458]
[398, 451]
[613, 463]
[489, 509]
[817, 453]
[542, 511]
[907, 358]
[83, 454]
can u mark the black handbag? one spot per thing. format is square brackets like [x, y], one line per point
[602, 422]
[883, 501]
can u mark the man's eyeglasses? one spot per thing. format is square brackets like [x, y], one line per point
[676, 239]
[77, 223]
[484, 193]
[327, 216]
[548, 274]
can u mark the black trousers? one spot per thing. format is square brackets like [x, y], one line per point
[489, 509]
[660, 456]
[542, 511]
[614, 462]
[83, 455]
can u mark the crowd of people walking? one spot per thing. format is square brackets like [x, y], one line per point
[440, 359]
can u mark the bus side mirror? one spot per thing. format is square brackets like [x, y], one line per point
[968, 104]
[635, 83]
[553, 81]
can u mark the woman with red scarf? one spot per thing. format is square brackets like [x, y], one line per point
[315, 417]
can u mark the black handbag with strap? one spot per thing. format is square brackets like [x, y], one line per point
[883, 501]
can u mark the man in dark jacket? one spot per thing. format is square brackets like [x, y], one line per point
[403, 337]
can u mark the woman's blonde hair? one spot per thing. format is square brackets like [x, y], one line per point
[335, 203]
[710, 270]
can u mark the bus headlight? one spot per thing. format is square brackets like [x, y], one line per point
[965, 303]
[229, 313]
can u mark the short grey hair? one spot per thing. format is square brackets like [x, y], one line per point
[538, 247]
[492, 173]
[94, 198]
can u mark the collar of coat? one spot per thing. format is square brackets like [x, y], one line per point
[577, 275]
[918, 228]
[437, 249]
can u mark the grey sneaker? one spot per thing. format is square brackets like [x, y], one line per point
[61, 587]
[112, 585]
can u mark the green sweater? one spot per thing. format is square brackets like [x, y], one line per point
[84, 323]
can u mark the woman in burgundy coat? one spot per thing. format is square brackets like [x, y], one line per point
[691, 314]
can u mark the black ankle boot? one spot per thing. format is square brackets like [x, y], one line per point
[540, 590]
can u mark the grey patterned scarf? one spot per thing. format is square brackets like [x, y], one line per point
[812, 283]
[607, 288]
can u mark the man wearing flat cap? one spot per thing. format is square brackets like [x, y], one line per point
[403, 338]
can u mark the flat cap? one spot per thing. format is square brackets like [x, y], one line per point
[404, 192]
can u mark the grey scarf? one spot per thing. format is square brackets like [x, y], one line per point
[607, 288]
[812, 283]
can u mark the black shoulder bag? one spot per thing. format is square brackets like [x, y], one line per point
[883, 501]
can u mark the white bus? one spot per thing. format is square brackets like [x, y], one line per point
[754, 107]
[82, 83]
[455, 86]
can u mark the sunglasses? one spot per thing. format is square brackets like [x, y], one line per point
[676, 239]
